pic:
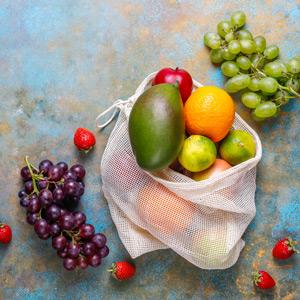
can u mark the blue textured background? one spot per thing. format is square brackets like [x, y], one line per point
[62, 63]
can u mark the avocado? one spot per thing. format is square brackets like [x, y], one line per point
[156, 127]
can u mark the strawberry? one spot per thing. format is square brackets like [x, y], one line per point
[122, 270]
[284, 248]
[84, 139]
[263, 280]
[5, 234]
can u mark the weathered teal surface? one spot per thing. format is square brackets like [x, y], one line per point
[62, 63]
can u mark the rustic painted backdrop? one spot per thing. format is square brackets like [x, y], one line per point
[63, 62]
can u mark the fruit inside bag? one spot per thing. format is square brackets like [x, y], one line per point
[201, 221]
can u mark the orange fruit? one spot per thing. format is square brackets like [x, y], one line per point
[219, 166]
[163, 210]
[209, 111]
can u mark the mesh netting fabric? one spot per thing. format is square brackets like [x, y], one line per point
[202, 221]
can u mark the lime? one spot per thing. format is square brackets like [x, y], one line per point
[237, 147]
[210, 247]
[198, 153]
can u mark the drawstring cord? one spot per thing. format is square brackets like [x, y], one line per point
[113, 109]
[119, 104]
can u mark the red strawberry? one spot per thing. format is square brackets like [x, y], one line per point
[122, 270]
[84, 139]
[5, 234]
[284, 248]
[263, 280]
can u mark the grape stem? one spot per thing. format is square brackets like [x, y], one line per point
[35, 189]
[290, 90]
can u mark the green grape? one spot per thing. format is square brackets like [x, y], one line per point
[256, 118]
[281, 97]
[234, 47]
[293, 65]
[244, 62]
[274, 69]
[268, 85]
[237, 83]
[216, 56]
[223, 28]
[282, 65]
[229, 37]
[250, 99]
[271, 52]
[266, 109]
[238, 19]
[257, 60]
[229, 68]
[212, 40]
[244, 35]
[254, 84]
[260, 43]
[293, 83]
[227, 55]
[247, 46]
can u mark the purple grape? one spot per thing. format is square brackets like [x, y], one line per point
[88, 249]
[34, 206]
[103, 251]
[25, 173]
[69, 176]
[79, 171]
[44, 166]
[42, 227]
[71, 188]
[99, 240]
[63, 253]
[55, 173]
[28, 186]
[59, 242]
[81, 188]
[82, 262]
[79, 217]
[63, 211]
[24, 202]
[69, 264]
[44, 236]
[53, 213]
[73, 250]
[31, 218]
[42, 184]
[87, 231]
[63, 166]
[46, 198]
[22, 193]
[55, 229]
[67, 221]
[94, 260]
[58, 195]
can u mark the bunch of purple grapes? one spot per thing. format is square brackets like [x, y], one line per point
[50, 192]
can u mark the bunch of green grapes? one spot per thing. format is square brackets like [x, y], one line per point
[265, 82]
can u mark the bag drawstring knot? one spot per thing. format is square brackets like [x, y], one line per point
[113, 109]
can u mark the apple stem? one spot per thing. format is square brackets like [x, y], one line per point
[176, 69]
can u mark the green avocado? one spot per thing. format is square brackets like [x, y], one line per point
[156, 127]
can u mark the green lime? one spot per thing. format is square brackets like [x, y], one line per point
[237, 147]
[198, 153]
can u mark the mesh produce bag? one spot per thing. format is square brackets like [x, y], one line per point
[203, 221]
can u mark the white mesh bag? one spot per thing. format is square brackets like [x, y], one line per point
[202, 221]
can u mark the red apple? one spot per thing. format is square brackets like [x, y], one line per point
[184, 79]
